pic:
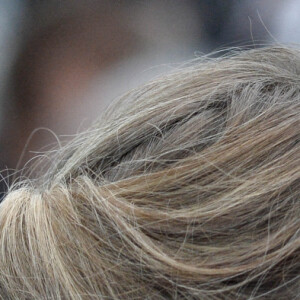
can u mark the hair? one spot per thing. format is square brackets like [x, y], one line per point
[188, 190]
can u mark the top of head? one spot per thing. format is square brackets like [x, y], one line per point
[189, 191]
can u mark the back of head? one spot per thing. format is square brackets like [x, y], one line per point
[189, 191]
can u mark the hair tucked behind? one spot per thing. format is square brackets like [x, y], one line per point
[189, 190]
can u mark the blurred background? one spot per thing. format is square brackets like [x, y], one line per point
[63, 62]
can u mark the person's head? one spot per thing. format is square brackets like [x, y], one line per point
[191, 190]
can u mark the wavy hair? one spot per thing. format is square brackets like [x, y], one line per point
[188, 190]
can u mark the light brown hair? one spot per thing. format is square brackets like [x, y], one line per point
[191, 190]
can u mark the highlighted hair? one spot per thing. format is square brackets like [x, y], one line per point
[189, 191]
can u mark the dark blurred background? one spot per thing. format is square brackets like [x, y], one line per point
[63, 62]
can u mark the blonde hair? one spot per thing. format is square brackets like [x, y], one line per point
[189, 191]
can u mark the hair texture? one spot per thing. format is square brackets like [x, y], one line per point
[188, 190]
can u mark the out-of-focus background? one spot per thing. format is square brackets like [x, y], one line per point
[63, 62]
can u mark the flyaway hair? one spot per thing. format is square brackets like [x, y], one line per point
[189, 190]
